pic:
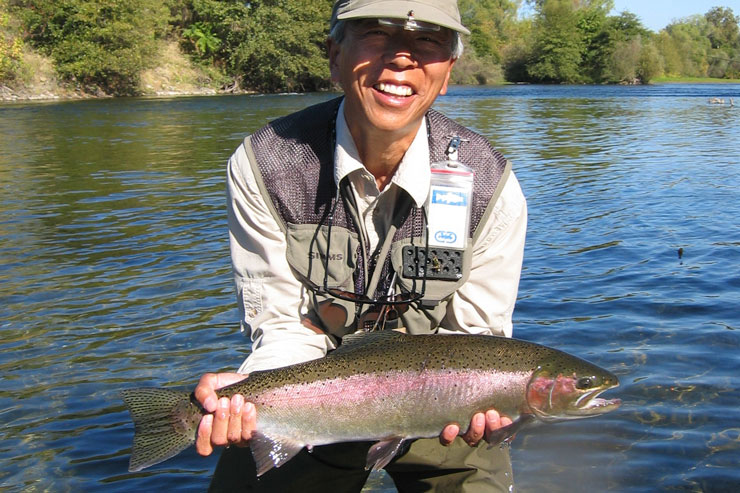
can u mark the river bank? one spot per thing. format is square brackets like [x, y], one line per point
[173, 74]
[184, 79]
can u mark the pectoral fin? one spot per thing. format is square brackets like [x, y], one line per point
[506, 434]
[269, 452]
[381, 453]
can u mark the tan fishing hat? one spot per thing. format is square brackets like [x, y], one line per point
[439, 12]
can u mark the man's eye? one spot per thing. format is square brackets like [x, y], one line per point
[428, 39]
[375, 32]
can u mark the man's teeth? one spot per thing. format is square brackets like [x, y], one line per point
[395, 90]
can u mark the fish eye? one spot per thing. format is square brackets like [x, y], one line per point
[585, 383]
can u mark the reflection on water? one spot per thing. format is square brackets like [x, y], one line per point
[115, 272]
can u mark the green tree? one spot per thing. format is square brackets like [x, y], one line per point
[625, 57]
[287, 46]
[99, 44]
[11, 46]
[491, 23]
[267, 45]
[625, 39]
[691, 42]
[723, 28]
[626, 25]
[649, 64]
[592, 27]
[670, 54]
[202, 38]
[724, 37]
[558, 46]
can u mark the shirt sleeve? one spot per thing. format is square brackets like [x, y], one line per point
[270, 298]
[485, 303]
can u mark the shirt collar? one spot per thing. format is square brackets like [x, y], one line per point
[413, 174]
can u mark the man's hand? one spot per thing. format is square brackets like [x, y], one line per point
[480, 425]
[231, 422]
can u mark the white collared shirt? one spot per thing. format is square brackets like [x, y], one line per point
[375, 207]
[272, 302]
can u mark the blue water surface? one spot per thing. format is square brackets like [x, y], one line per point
[114, 273]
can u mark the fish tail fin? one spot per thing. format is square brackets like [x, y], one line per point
[165, 423]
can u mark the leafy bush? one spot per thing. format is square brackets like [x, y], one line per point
[98, 44]
[649, 64]
[270, 46]
[472, 69]
[11, 47]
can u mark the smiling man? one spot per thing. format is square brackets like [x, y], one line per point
[370, 212]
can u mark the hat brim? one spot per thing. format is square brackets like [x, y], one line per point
[392, 9]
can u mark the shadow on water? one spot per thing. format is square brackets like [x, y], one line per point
[115, 273]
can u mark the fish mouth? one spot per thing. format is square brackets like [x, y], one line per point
[590, 404]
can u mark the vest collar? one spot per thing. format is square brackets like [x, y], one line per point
[413, 174]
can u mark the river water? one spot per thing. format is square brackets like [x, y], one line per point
[114, 273]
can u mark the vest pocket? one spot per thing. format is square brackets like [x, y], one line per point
[307, 255]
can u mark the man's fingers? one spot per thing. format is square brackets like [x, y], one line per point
[476, 430]
[493, 420]
[205, 392]
[234, 429]
[203, 442]
[221, 422]
[249, 423]
[480, 425]
[448, 434]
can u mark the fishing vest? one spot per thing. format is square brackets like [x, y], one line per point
[293, 163]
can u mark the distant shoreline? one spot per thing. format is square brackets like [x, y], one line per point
[693, 80]
[9, 95]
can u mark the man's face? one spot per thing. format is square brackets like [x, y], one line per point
[390, 76]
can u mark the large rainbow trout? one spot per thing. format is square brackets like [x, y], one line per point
[386, 387]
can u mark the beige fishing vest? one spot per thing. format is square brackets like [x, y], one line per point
[293, 160]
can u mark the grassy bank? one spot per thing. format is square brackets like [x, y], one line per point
[173, 74]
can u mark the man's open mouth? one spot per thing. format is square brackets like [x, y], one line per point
[402, 91]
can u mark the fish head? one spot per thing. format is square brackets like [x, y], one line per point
[569, 388]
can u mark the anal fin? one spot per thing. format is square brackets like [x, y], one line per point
[269, 452]
[382, 452]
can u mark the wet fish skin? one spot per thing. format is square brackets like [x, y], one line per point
[384, 386]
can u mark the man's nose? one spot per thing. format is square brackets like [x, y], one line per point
[399, 52]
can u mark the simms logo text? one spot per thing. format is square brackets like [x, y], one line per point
[318, 256]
